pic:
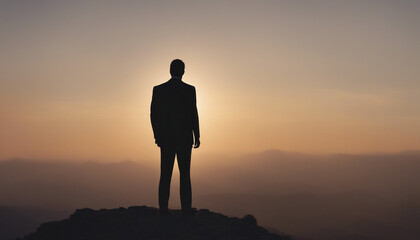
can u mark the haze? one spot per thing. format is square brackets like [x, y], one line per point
[319, 77]
[334, 197]
[334, 85]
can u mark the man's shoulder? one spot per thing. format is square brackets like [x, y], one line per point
[160, 86]
[167, 85]
[191, 87]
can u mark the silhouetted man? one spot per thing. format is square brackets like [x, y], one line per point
[174, 119]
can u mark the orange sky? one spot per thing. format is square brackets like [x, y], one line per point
[322, 77]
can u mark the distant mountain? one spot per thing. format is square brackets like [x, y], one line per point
[19, 221]
[325, 217]
[277, 172]
[326, 197]
[146, 223]
[71, 185]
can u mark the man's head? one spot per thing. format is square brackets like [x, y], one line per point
[177, 68]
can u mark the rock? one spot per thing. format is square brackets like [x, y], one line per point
[141, 222]
[250, 219]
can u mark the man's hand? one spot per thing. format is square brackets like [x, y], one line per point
[197, 143]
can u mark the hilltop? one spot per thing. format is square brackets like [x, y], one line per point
[141, 222]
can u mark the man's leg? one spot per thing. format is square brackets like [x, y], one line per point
[184, 164]
[167, 158]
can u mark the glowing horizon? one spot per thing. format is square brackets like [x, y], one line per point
[76, 78]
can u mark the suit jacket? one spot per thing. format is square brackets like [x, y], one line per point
[173, 114]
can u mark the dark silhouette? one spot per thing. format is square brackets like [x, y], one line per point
[141, 222]
[174, 117]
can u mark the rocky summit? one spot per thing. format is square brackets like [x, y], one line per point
[143, 222]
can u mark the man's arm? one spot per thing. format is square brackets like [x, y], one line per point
[196, 127]
[154, 116]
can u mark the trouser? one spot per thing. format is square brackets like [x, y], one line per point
[166, 166]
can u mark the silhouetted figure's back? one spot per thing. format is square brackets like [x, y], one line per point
[174, 114]
[175, 126]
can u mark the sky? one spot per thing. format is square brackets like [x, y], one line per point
[324, 77]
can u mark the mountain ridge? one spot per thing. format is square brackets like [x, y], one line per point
[142, 222]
